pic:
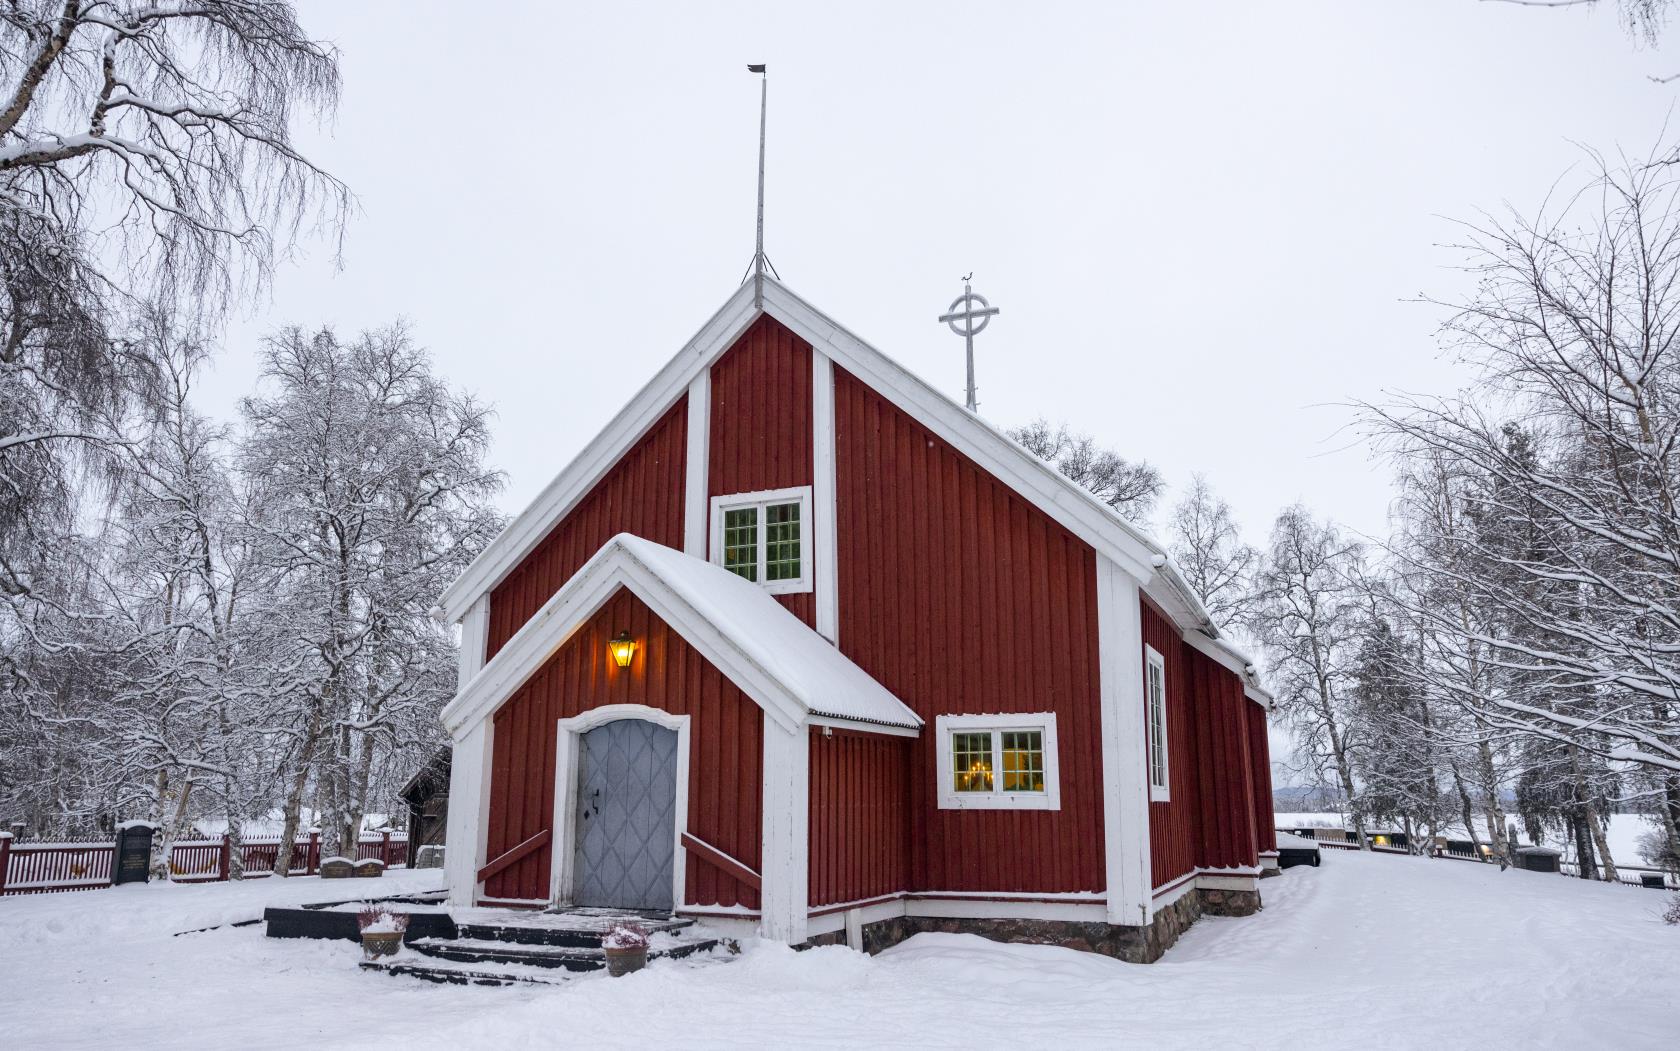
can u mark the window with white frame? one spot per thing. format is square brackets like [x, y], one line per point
[998, 762]
[1155, 703]
[764, 536]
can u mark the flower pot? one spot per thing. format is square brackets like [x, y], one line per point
[621, 962]
[381, 943]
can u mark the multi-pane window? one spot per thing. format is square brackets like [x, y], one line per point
[1023, 761]
[740, 541]
[971, 762]
[1155, 702]
[781, 542]
[998, 762]
[761, 537]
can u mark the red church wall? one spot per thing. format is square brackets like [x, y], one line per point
[725, 771]
[961, 597]
[1174, 825]
[859, 816]
[1260, 768]
[1225, 792]
[760, 428]
[641, 494]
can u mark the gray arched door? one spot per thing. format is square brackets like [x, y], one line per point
[626, 819]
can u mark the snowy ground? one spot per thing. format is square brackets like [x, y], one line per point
[1368, 951]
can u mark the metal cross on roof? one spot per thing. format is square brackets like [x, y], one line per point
[963, 310]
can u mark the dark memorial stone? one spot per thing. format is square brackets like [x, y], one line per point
[336, 868]
[372, 867]
[134, 854]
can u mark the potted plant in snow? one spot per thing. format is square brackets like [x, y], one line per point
[382, 931]
[626, 946]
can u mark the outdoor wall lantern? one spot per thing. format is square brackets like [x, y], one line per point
[622, 647]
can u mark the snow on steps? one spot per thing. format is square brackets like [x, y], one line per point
[536, 950]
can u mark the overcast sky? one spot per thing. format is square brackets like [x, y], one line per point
[1202, 221]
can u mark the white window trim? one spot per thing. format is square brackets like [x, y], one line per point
[734, 501]
[998, 799]
[1158, 793]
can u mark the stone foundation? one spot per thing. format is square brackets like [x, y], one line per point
[1132, 944]
[1230, 902]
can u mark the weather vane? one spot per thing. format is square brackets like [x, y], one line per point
[973, 322]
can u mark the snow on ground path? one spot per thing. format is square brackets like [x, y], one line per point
[1366, 951]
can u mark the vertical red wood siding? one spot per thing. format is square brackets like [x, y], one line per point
[1225, 781]
[641, 494]
[1174, 825]
[961, 597]
[760, 431]
[1260, 765]
[859, 816]
[726, 760]
[1211, 818]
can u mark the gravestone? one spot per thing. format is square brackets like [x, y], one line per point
[337, 868]
[431, 856]
[370, 867]
[133, 860]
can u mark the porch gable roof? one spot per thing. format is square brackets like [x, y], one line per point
[784, 666]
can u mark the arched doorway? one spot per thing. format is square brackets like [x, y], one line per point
[625, 816]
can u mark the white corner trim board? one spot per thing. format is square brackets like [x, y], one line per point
[1125, 787]
[825, 548]
[568, 733]
[786, 841]
[469, 813]
[698, 458]
[475, 638]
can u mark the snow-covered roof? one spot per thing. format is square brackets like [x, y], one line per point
[789, 670]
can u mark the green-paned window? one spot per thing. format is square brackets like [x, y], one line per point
[971, 761]
[740, 541]
[781, 542]
[761, 537]
[1023, 761]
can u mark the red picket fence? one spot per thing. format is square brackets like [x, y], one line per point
[32, 868]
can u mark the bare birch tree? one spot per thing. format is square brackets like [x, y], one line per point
[1307, 615]
[1204, 542]
[1130, 488]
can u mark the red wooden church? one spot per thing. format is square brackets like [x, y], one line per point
[798, 644]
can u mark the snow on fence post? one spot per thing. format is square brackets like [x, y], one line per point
[222, 862]
[385, 848]
[5, 858]
[312, 857]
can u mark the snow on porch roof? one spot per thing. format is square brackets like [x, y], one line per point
[787, 668]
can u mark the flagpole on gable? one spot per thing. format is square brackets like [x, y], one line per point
[760, 260]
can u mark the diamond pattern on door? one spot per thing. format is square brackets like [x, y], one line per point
[626, 827]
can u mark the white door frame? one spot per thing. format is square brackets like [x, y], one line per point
[564, 845]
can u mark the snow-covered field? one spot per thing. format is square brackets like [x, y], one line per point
[1366, 951]
[1622, 833]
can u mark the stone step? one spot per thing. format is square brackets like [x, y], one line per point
[446, 972]
[569, 930]
[568, 957]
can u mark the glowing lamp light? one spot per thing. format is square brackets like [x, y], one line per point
[622, 647]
